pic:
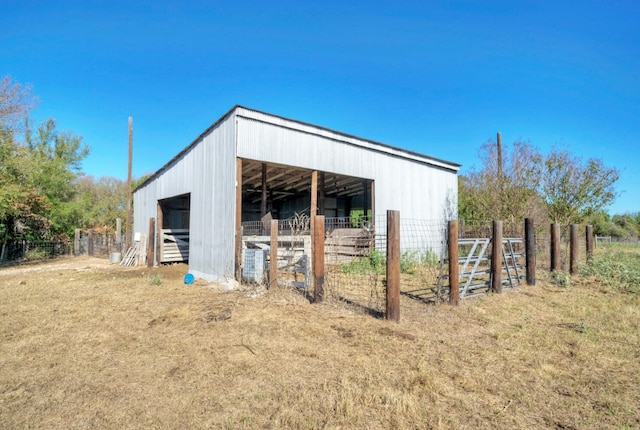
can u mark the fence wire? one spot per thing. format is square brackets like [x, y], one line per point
[355, 264]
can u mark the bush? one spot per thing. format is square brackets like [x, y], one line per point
[374, 262]
[411, 260]
[616, 268]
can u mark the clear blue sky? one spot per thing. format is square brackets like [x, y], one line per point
[439, 78]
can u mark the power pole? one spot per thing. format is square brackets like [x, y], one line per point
[127, 242]
[499, 156]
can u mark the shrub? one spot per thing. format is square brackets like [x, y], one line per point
[615, 268]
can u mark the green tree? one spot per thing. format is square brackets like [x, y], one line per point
[505, 191]
[57, 158]
[574, 189]
[102, 201]
[38, 171]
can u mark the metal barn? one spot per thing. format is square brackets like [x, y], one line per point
[251, 163]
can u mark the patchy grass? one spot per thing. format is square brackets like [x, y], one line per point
[88, 345]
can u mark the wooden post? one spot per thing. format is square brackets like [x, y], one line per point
[238, 244]
[321, 195]
[318, 258]
[454, 268]
[90, 243]
[530, 250]
[159, 237]
[372, 186]
[573, 249]
[496, 258]
[119, 234]
[589, 234]
[555, 247]
[313, 210]
[263, 198]
[499, 151]
[393, 266]
[365, 200]
[150, 244]
[273, 255]
[127, 227]
[76, 242]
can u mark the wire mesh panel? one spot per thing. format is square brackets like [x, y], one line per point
[355, 263]
[34, 250]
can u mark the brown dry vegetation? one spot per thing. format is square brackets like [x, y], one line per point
[88, 345]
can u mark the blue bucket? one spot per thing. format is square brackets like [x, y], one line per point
[188, 279]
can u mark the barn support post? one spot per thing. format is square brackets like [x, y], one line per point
[574, 249]
[321, 195]
[555, 247]
[263, 196]
[496, 258]
[589, 238]
[454, 268]
[365, 200]
[393, 266]
[530, 250]
[372, 185]
[150, 244]
[238, 239]
[313, 208]
[273, 255]
[318, 258]
[159, 237]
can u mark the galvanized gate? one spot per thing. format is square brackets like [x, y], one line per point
[475, 273]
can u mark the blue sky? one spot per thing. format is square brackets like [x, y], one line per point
[439, 78]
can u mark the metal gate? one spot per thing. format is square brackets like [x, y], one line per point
[475, 273]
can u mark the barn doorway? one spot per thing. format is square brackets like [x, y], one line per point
[172, 244]
[285, 191]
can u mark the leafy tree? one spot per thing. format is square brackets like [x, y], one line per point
[37, 171]
[573, 189]
[16, 101]
[57, 158]
[558, 187]
[506, 192]
[102, 200]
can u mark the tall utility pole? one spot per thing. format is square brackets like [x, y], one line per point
[129, 195]
[499, 156]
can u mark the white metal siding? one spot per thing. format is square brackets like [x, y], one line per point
[207, 171]
[417, 189]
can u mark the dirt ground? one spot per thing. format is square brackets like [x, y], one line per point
[87, 344]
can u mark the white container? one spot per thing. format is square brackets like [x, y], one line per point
[115, 257]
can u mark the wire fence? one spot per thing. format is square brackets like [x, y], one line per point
[86, 243]
[355, 264]
[27, 250]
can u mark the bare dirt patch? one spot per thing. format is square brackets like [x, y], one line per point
[85, 344]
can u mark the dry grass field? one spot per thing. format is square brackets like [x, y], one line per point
[85, 344]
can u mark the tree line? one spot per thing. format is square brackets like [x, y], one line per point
[518, 181]
[44, 194]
